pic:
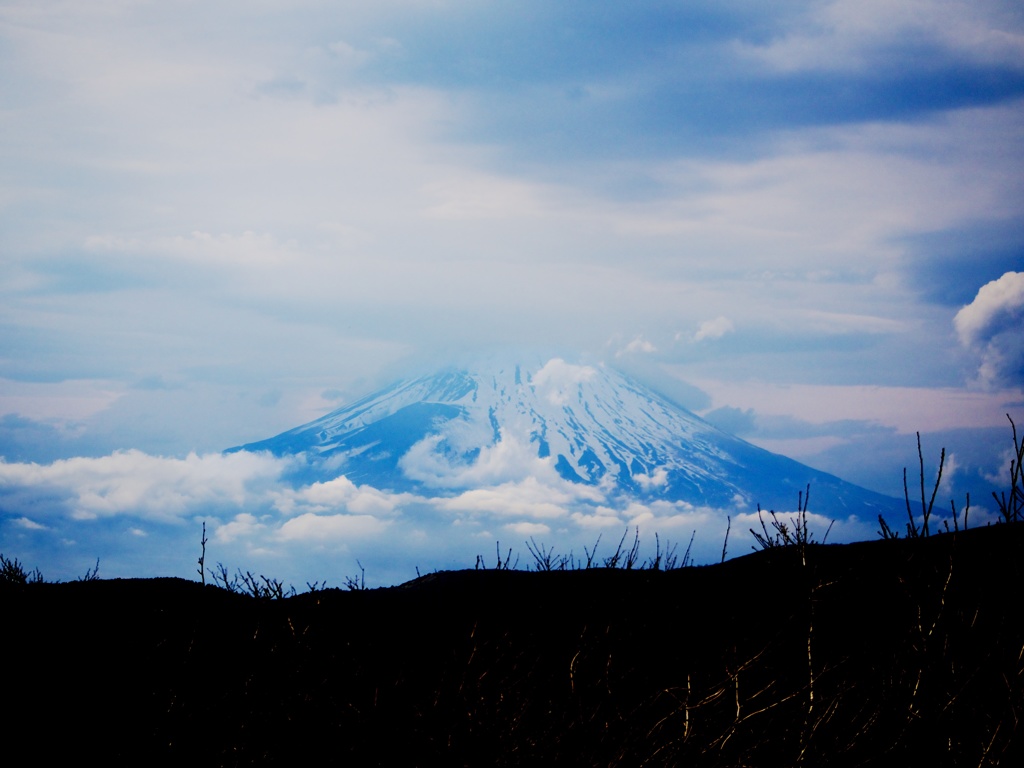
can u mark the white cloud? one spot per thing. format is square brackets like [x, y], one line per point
[559, 381]
[713, 329]
[992, 326]
[29, 525]
[337, 494]
[996, 302]
[601, 517]
[316, 528]
[949, 468]
[1000, 474]
[638, 345]
[242, 526]
[657, 479]
[527, 498]
[528, 529]
[510, 459]
[137, 484]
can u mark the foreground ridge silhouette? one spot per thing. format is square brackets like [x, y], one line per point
[892, 652]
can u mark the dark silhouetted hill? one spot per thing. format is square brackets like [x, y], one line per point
[884, 653]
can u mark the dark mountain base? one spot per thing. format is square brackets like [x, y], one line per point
[882, 653]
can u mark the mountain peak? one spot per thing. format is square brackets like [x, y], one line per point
[588, 424]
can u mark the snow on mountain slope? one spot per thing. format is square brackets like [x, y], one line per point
[462, 429]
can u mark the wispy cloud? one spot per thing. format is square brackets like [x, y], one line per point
[851, 36]
[714, 329]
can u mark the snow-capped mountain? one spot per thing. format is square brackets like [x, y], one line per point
[593, 426]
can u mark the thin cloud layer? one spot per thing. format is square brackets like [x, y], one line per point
[847, 35]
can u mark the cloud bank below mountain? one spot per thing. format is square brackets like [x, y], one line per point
[141, 515]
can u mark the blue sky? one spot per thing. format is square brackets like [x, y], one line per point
[220, 220]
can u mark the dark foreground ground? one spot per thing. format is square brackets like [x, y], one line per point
[895, 653]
